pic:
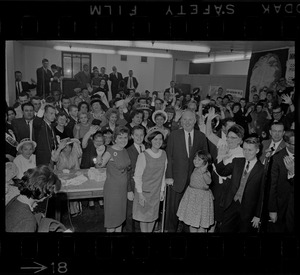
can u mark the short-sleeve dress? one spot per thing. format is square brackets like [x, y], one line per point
[196, 206]
[115, 188]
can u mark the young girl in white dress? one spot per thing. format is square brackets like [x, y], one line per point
[196, 206]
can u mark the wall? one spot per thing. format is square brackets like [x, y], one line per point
[230, 68]
[34, 57]
[181, 67]
[204, 81]
[10, 92]
[162, 74]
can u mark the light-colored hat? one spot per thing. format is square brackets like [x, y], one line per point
[161, 112]
[24, 141]
[152, 130]
[143, 107]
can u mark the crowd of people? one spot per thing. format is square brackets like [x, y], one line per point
[218, 165]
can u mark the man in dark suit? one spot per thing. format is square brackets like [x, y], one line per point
[84, 77]
[23, 127]
[173, 90]
[22, 85]
[115, 77]
[275, 143]
[131, 81]
[181, 147]
[278, 116]
[281, 199]
[138, 134]
[44, 76]
[45, 136]
[65, 102]
[244, 193]
[270, 148]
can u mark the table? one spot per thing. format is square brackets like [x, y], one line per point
[87, 190]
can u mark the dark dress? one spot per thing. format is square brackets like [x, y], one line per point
[115, 188]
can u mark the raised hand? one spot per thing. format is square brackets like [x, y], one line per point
[286, 99]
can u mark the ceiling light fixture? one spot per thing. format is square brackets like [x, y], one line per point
[163, 45]
[84, 50]
[222, 58]
[171, 46]
[149, 54]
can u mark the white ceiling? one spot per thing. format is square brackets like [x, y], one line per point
[219, 47]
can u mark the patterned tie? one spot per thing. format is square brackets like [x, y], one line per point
[246, 169]
[190, 144]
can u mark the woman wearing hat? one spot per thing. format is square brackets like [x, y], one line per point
[160, 117]
[147, 123]
[98, 112]
[149, 180]
[26, 159]
[171, 124]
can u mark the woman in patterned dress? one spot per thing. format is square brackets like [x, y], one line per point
[149, 180]
[117, 162]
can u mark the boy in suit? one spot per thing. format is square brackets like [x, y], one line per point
[138, 134]
[244, 193]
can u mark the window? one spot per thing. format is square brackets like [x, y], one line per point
[123, 57]
[73, 63]
[144, 59]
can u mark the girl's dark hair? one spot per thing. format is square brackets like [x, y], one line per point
[83, 103]
[38, 183]
[205, 156]
[153, 135]
[97, 134]
[10, 109]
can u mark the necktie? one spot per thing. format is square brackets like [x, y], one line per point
[130, 83]
[141, 149]
[246, 169]
[30, 135]
[190, 144]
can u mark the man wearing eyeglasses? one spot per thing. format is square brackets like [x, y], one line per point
[281, 199]
[279, 116]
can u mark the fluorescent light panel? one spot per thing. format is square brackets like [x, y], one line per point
[171, 46]
[222, 58]
[149, 54]
[146, 44]
[84, 50]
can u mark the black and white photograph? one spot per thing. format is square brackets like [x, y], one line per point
[173, 136]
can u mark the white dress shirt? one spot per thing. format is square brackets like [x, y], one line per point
[186, 136]
[138, 147]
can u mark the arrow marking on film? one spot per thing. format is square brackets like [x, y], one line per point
[40, 267]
